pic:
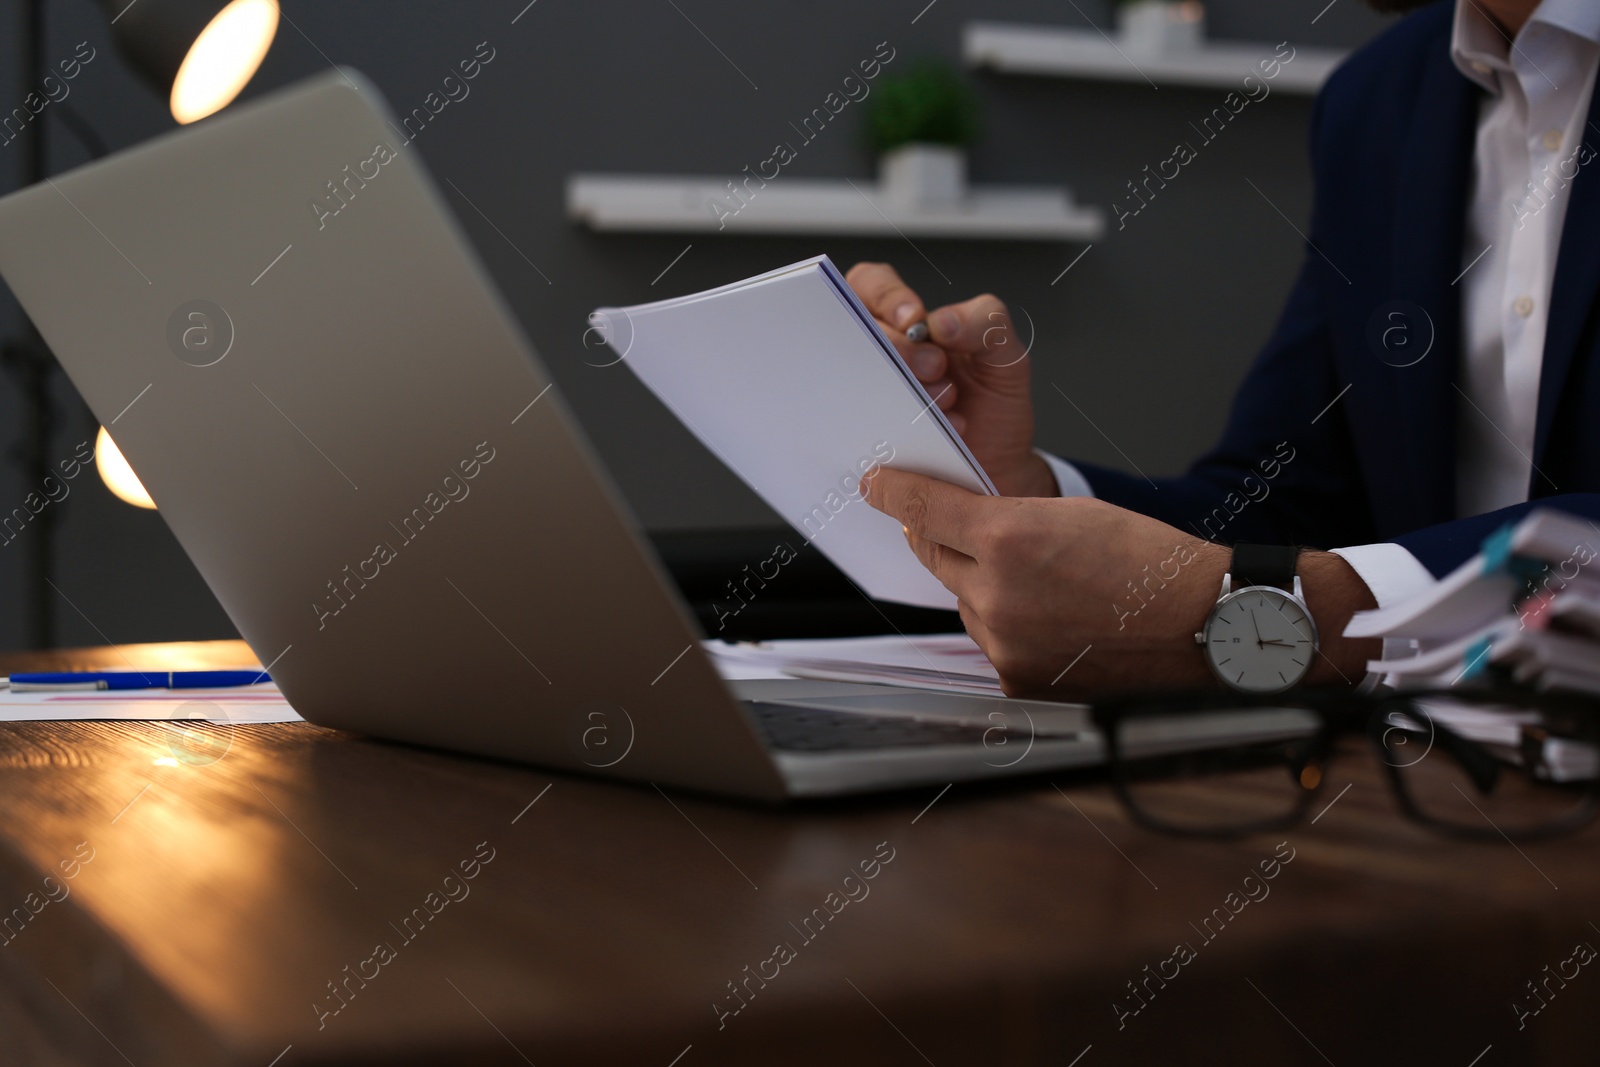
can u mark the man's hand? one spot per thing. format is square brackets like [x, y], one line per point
[1072, 598]
[973, 367]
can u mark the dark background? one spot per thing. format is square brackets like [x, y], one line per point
[1148, 334]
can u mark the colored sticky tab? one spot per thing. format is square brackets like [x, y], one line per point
[1497, 550]
[1498, 557]
[1534, 611]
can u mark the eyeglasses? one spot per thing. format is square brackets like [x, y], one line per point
[1472, 764]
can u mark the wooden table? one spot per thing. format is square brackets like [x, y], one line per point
[224, 895]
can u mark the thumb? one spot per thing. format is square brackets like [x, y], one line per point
[981, 328]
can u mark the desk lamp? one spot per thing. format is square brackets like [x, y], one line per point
[200, 53]
[201, 57]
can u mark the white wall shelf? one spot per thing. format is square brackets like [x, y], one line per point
[1016, 48]
[661, 204]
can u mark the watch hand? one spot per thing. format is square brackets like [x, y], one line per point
[1257, 625]
[1280, 644]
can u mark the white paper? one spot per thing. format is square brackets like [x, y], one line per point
[232, 706]
[935, 662]
[1477, 592]
[789, 382]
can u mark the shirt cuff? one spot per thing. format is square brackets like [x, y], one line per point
[1069, 480]
[1393, 575]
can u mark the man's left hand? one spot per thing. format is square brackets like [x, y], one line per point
[1073, 597]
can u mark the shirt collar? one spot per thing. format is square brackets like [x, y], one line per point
[1480, 51]
[1581, 18]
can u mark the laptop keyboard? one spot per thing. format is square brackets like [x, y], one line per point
[798, 729]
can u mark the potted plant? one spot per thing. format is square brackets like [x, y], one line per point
[1161, 25]
[921, 123]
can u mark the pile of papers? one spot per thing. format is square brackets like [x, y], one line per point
[945, 663]
[1525, 610]
[234, 706]
[1507, 732]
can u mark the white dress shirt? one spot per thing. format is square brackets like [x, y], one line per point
[1530, 142]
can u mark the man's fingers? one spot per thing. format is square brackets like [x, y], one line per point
[888, 298]
[926, 361]
[934, 510]
[954, 570]
[943, 394]
[975, 626]
[980, 325]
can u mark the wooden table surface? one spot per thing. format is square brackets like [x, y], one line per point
[219, 890]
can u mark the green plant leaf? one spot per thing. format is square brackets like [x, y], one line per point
[930, 103]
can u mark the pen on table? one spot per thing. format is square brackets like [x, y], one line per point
[87, 681]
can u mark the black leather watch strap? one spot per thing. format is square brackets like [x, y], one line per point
[1264, 565]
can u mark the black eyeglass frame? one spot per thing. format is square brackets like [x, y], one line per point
[1342, 714]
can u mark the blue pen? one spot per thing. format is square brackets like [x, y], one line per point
[78, 681]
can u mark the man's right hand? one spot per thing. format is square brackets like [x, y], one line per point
[974, 368]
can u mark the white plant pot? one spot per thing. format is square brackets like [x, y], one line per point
[1153, 26]
[923, 177]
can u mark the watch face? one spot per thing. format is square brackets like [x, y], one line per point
[1259, 639]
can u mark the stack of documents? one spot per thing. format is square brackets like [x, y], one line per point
[946, 663]
[1525, 610]
[789, 381]
[233, 706]
[1506, 732]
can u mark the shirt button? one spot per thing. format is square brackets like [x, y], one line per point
[1523, 305]
[1552, 139]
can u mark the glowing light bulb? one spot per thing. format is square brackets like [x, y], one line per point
[223, 58]
[116, 473]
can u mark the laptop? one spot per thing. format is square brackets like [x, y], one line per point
[282, 325]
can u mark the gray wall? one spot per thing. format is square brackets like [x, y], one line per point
[1148, 334]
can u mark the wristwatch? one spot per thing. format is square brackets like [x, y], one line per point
[1260, 637]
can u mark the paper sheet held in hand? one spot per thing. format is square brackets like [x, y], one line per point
[788, 380]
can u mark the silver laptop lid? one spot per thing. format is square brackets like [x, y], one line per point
[291, 341]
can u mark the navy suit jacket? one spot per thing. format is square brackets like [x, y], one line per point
[1392, 138]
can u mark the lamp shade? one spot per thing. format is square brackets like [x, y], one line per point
[117, 474]
[199, 52]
